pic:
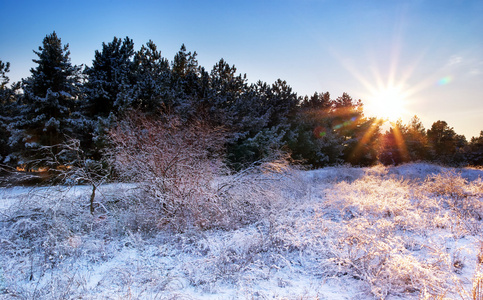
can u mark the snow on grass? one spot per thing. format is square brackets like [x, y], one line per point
[407, 232]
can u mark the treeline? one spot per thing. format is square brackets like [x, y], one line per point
[60, 102]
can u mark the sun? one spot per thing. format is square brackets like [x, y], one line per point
[387, 103]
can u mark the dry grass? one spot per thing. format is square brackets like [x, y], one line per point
[383, 227]
[382, 235]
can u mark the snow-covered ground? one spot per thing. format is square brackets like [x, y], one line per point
[407, 232]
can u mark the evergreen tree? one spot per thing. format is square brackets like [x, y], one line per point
[317, 102]
[50, 96]
[281, 103]
[150, 92]
[312, 142]
[185, 87]
[7, 110]
[393, 149]
[359, 134]
[110, 79]
[108, 92]
[184, 63]
[446, 145]
[416, 140]
[442, 140]
[361, 148]
[261, 118]
[4, 80]
[224, 103]
[404, 143]
[475, 150]
[312, 139]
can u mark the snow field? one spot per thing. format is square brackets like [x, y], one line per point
[407, 232]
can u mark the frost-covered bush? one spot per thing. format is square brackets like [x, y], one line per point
[182, 179]
[174, 165]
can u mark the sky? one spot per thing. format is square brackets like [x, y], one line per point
[426, 53]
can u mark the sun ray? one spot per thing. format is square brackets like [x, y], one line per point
[400, 143]
[353, 71]
[375, 125]
[386, 96]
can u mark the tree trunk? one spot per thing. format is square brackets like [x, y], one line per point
[93, 195]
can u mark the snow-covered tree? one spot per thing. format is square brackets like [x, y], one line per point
[223, 104]
[108, 92]
[110, 78]
[7, 107]
[152, 75]
[312, 139]
[261, 121]
[4, 80]
[50, 96]
[185, 86]
[282, 103]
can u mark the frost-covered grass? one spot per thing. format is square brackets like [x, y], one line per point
[407, 232]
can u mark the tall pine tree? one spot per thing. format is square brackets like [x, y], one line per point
[108, 92]
[50, 96]
[110, 78]
[7, 110]
[152, 75]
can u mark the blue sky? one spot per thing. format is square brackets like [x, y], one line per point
[431, 50]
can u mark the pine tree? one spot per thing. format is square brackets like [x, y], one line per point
[7, 110]
[475, 151]
[317, 102]
[50, 96]
[4, 80]
[110, 78]
[108, 92]
[152, 77]
[312, 141]
[416, 140]
[184, 63]
[281, 103]
[312, 138]
[442, 140]
[261, 119]
[224, 104]
[359, 134]
[186, 89]
[392, 148]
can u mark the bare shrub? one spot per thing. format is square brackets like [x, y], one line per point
[174, 165]
[259, 191]
[183, 180]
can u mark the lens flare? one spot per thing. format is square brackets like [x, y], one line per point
[320, 132]
[445, 80]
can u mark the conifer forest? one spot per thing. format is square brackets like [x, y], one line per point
[138, 176]
[60, 103]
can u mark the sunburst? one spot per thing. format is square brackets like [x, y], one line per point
[388, 103]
